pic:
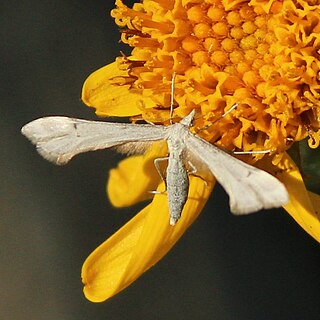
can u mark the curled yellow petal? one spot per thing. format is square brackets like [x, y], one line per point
[135, 177]
[139, 244]
[109, 99]
[303, 206]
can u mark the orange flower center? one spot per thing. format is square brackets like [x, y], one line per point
[263, 55]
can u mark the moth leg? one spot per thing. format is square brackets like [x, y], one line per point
[252, 152]
[157, 166]
[193, 172]
[221, 117]
[193, 168]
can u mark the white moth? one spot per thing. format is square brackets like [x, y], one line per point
[58, 139]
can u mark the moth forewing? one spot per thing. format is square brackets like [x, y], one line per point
[250, 189]
[58, 139]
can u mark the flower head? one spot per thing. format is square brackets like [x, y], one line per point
[261, 55]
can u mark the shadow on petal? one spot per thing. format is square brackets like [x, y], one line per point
[315, 200]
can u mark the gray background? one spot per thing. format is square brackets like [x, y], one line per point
[257, 267]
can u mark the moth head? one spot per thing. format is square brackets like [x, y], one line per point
[188, 120]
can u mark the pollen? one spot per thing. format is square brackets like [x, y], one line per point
[262, 55]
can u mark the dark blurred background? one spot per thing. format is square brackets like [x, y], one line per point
[262, 266]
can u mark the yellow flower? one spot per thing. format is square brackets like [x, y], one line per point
[263, 55]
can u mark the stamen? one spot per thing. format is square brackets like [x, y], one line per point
[314, 137]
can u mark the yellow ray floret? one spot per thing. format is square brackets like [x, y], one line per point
[139, 244]
[303, 206]
[134, 178]
[100, 92]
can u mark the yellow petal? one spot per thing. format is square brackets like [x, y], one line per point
[109, 99]
[303, 206]
[134, 177]
[139, 244]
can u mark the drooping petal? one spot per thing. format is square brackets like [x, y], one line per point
[101, 93]
[303, 208]
[135, 177]
[139, 244]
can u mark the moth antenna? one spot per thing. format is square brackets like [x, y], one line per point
[215, 121]
[228, 111]
[172, 96]
[235, 152]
